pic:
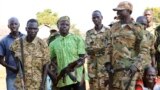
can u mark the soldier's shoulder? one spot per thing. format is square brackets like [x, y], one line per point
[137, 26]
[41, 42]
[90, 30]
[106, 28]
[115, 23]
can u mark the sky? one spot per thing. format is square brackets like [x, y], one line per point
[79, 11]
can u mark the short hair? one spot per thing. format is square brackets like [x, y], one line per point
[32, 20]
[12, 18]
[149, 67]
[97, 11]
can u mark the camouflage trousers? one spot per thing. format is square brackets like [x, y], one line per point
[97, 73]
[29, 84]
[121, 81]
[97, 83]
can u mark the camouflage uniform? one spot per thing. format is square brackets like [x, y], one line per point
[157, 47]
[129, 47]
[150, 41]
[152, 29]
[96, 43]
[36, 54]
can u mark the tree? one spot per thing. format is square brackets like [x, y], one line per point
[156, 14]
[47, 17]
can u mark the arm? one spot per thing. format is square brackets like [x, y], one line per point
[12, 68]
[44, 76]
[143, 49]
[52, 70]
[89, 42]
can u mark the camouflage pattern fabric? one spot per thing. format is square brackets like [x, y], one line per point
[151, 42]
[96, 43]
[36, 54]
[152, 29]
[129, 47]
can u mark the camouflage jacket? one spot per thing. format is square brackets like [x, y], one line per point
[96, 41]
[36, 54]
[128, 45]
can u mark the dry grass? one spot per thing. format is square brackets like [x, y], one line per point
[2, 78]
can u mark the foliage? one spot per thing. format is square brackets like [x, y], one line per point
[47, 17]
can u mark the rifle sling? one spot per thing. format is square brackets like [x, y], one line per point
[22, 56]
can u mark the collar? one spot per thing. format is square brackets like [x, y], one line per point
[100, 31]
[129, 25]
[35, 41]
[19, 35]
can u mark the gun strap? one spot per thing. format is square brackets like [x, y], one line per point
[130, 80]
[22, 56]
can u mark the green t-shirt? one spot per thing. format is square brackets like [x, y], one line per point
[67, 50]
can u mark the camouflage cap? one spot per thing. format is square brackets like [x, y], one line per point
[124, 5]
[64, 18]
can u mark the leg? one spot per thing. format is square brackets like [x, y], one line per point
[77, 86]
[93, 83]
[69, 87]
[10, 83]
[48, 83]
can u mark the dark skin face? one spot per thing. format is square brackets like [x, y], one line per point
[124, 16]
[151, 75]
[148, 15]
[32, 30]
[13, 24]
[64, 27]
[97, 18]
[122, 13]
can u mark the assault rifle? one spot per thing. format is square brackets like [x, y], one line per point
[111, 71]
[70, 68]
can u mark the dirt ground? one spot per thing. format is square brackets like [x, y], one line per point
[2, 78]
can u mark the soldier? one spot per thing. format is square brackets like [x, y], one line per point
[65, 49]
[33, 53]
[151, 24]
[157, 46]
[5, 43]
[151, 40]
[95, 46]
[127, 48]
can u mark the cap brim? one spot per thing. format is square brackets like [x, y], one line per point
[118, 9]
